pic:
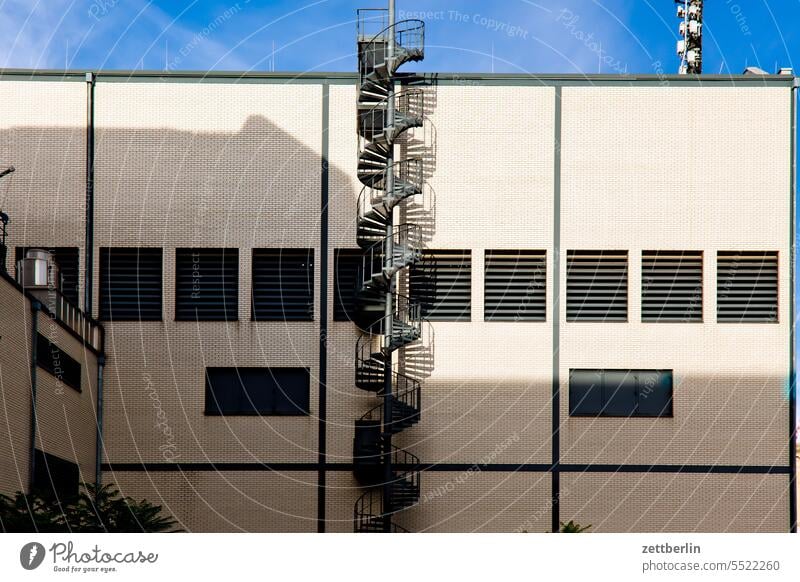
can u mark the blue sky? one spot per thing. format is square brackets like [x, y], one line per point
[575, 36]
[540, 36]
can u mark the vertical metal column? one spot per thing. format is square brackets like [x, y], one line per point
[388, 256]
[88, 251]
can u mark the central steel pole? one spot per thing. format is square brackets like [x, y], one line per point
[388, 257]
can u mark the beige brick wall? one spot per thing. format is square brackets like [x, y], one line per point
[228, 501]
[43, 135]
[481, 502]
[710, 172]
[209, 165]
[67, 421]
[237, 165]
[15, 409]
[466, 500]
[641, 502]
[490, 381]
[66, 418]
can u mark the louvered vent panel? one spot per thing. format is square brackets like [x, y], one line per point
[441, 282]
[283, 284]
[747, 287]
[206, 284]
[130, 284]
[347, 265]
[68, 267]
[672, 286]
[514, 286]
[597, 285]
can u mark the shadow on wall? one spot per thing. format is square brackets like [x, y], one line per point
[256, 187]
[259, 186]
[421, 143]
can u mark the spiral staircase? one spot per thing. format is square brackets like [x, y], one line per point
[389, 321]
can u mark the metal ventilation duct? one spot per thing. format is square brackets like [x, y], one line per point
[38, 270]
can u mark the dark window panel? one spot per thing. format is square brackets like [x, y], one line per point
[620, 393]
[130, 284]
[283, 285]
[441, 283]
[53, 360]
[597, 285]
[654, 391]
[206, 284]
[257, 391]
[672, 286]
[348, 264]
[585, 392]
[747, 287]
[514, 286]
[54, 477]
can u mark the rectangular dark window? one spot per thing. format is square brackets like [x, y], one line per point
[130, 284]
[206, 284]
[672, 286]
[597, 285]
[441, 283]
[283, 284]
[620, 393]
[53, 360]
[67, 259]
[257, 391]
[55, 478]
[347, 266]
[514, 286]
[747, 287]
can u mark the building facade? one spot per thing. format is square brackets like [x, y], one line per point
[605, 278]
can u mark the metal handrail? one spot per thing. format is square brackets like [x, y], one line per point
[404, 458]
[369, 508]
[406, 311]
[84, 325]
[410, 103]
[373, 262]
[410, 397]
[367, 15]
[411, 473]
[409, 36]
[410, 28]
[408, 170]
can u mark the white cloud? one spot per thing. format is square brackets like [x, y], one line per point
[108, 34]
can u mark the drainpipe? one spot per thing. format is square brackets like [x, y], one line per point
[35, 308]
[99, 446]
[89, 242]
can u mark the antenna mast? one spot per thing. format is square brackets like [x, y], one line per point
[690, 47]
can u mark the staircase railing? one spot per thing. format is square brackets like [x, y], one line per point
[407, 312]
[408, 170]
[369, 515]
[407, 238]
[406, 466]
[409, 37]
[410, 397]
[409, 106]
